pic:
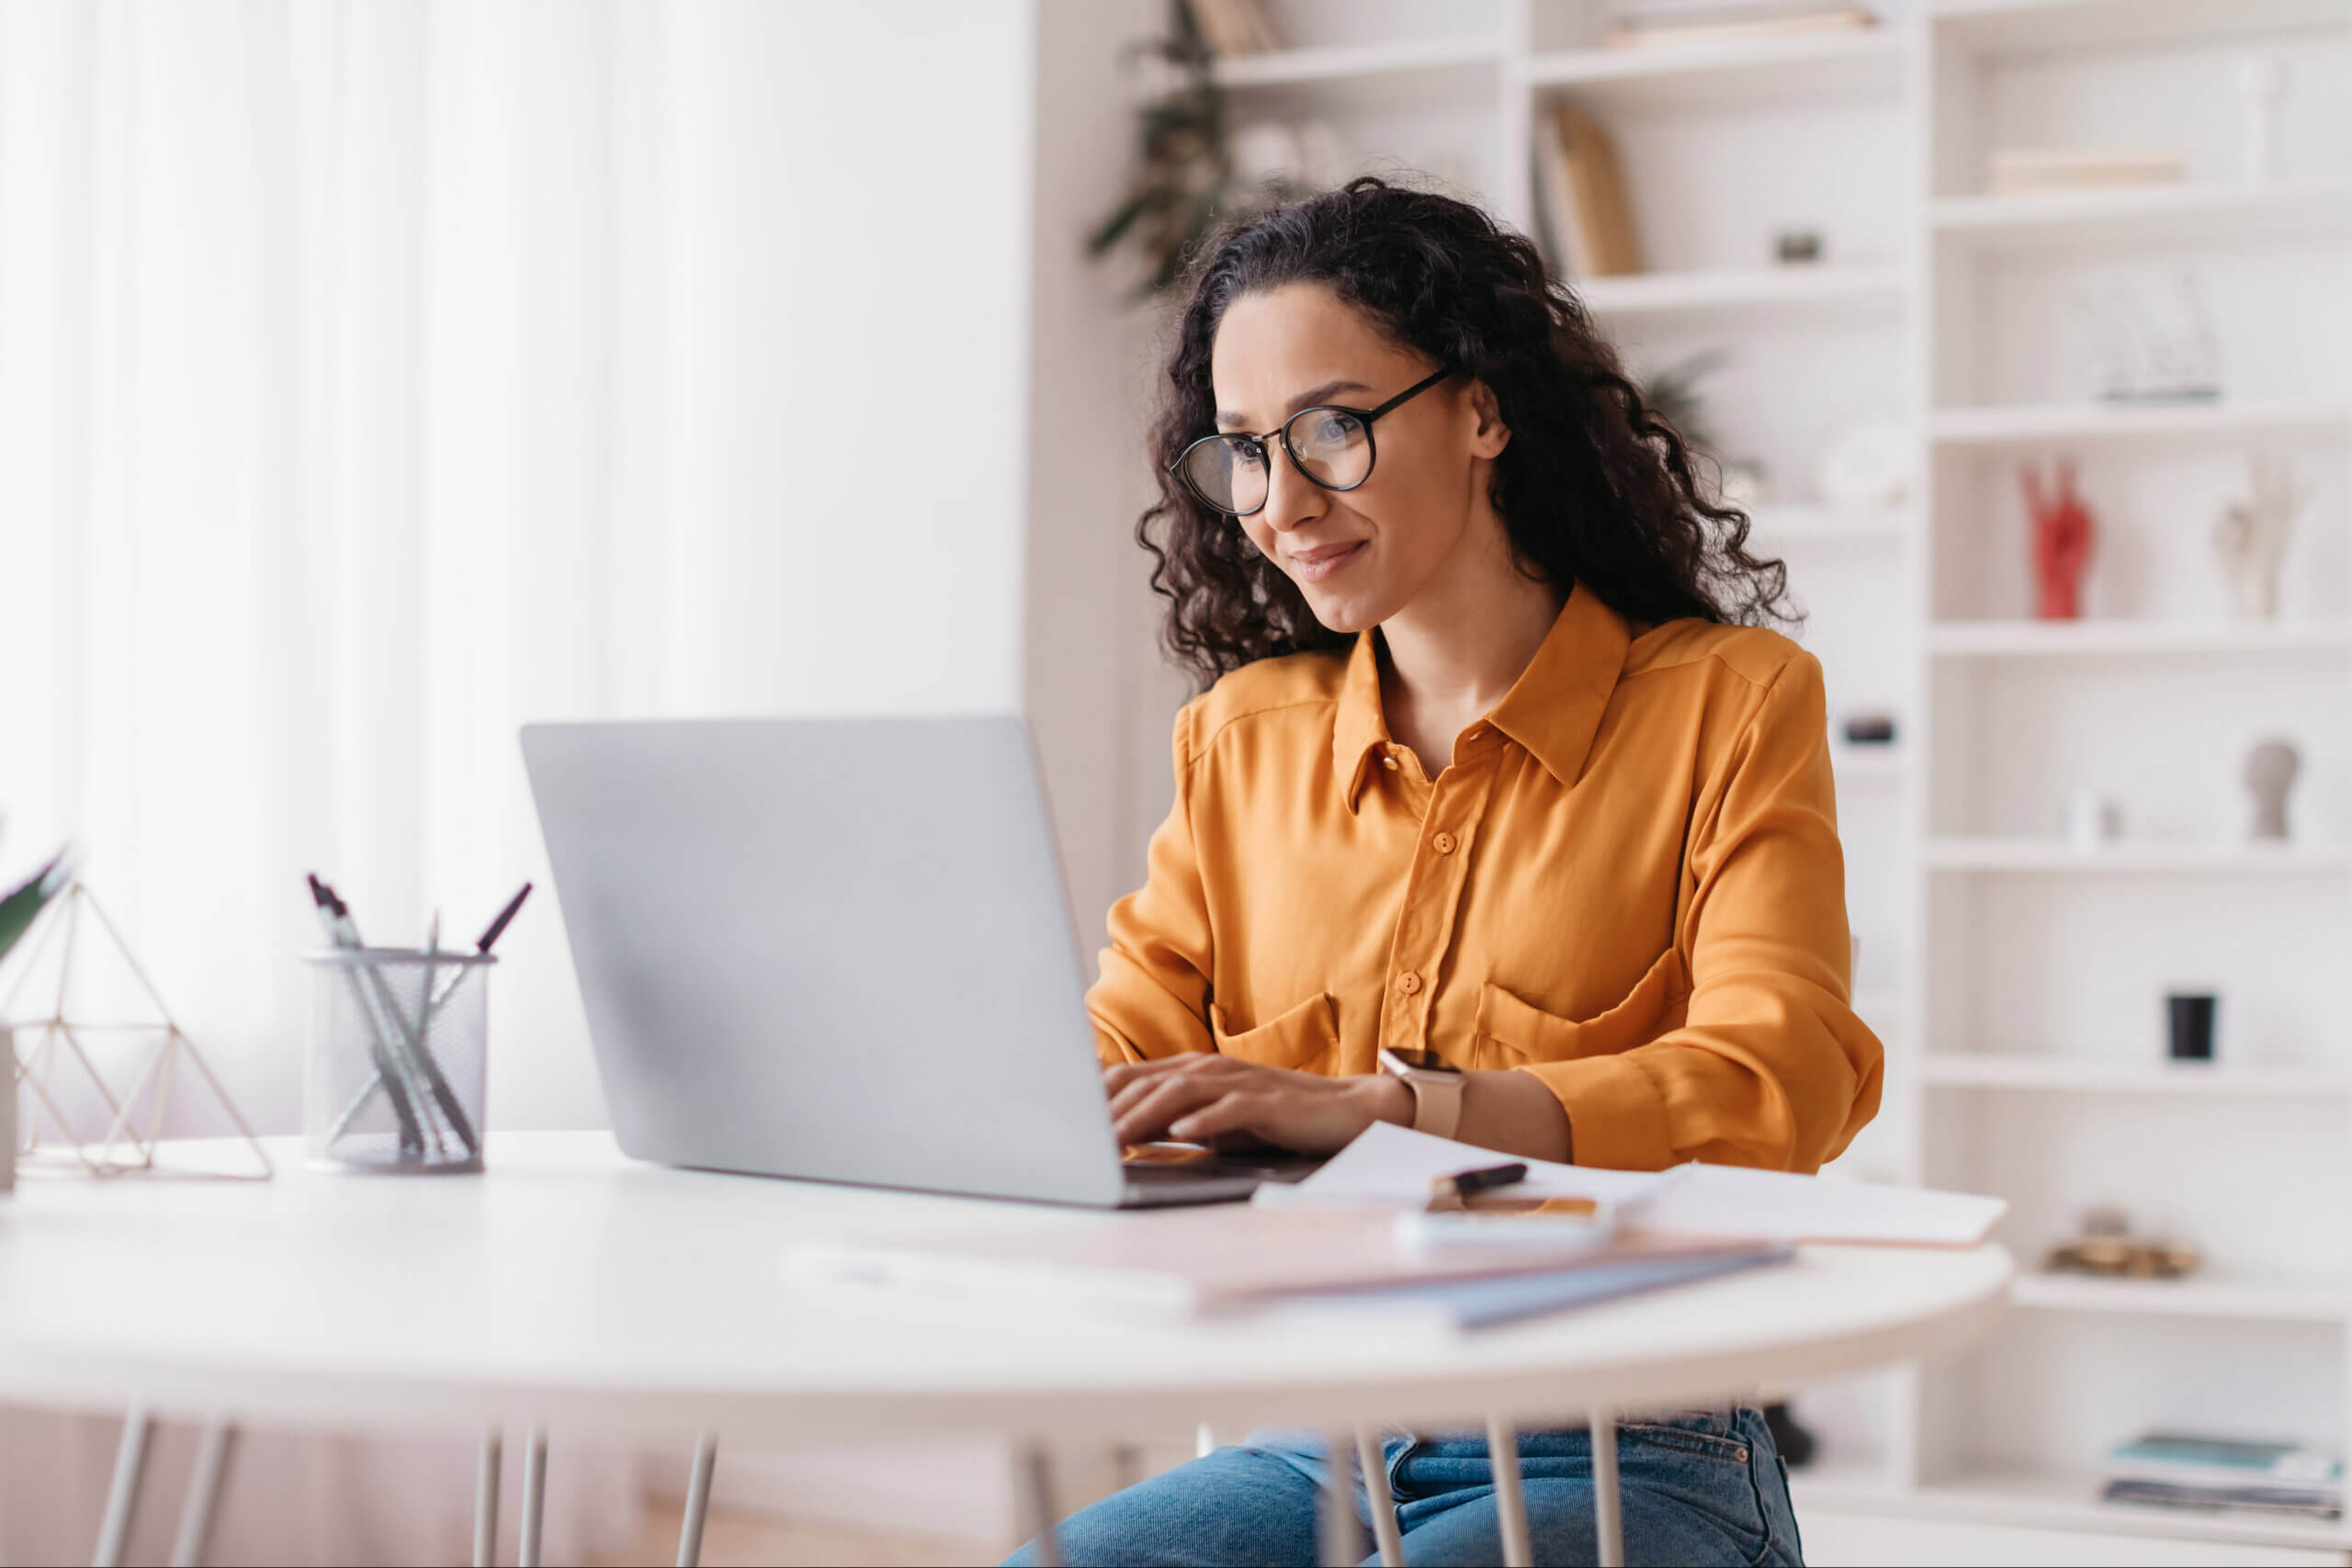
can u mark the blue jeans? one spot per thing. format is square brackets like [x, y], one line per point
[1697, 1489]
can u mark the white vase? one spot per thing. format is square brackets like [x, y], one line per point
[7, 1111]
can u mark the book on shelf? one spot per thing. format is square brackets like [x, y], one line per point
[2197, 1471]
[1589, 222]
[2020, 171]
[1235, 27]
[1671, 27]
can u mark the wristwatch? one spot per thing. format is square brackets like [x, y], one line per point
[1436, 1084]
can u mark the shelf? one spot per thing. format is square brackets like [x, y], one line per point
[2053, 855]
[2018, 27]
[1964, 1070]
[2254, 1300]
[2037, 640]
[1356, 62]
[1715, 75]
[2167, 214]
[2039, 424]
[1782, 521]
[2071, 1502]
[1773, 290]
[1877, 764]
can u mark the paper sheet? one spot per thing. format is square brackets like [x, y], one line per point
[1391, 1166]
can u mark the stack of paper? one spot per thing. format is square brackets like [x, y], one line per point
[1392, 1167]
[2188, 1470]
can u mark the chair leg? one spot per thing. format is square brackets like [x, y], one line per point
[122, 1497]
[486, 1479]
[534, 1496]
[1033, 1480]
[1338, 1543]
[1511, 1500]
[1384, 1503]
[1608, 1519]
[212, 1451]
[697, 1501]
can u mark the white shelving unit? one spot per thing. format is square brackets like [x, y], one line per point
[2016, 983]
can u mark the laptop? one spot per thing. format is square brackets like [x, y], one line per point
[838, 949]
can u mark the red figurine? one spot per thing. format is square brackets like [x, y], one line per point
[2063, 537]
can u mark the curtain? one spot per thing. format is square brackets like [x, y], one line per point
[377, 375]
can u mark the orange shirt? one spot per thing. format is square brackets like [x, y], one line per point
[1627, 882]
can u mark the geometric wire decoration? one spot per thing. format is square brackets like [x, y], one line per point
[49, 1049]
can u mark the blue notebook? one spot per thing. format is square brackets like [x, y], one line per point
[1511, 1298]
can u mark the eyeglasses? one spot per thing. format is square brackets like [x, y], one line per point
[1332, 445]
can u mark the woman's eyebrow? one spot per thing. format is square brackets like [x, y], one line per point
[1305, 399]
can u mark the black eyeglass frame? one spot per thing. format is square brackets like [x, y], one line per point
[1282, 433]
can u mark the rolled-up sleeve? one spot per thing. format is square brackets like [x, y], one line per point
[1770, 1066]
[1151, 998]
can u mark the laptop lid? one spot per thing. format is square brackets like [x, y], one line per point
[834, 948]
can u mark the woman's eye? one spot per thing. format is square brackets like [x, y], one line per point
[1332, 429]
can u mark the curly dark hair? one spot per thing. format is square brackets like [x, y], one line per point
[1595, 488]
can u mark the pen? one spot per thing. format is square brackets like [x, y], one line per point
[341, 933]
[1449, 1192]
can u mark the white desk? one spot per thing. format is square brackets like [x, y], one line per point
[571, 1287]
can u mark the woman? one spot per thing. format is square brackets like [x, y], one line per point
[1493, 765]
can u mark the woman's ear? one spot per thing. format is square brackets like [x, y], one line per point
[1491, 434]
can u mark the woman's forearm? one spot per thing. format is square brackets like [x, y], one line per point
[1511, 1112]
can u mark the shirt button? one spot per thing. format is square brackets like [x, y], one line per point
[1409, 981]
[1442, 843]
[1388, 761]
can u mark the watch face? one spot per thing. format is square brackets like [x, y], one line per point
[1423, 1061]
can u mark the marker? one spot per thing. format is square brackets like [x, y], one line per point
[499, 925]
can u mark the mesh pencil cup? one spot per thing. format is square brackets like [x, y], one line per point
[397, 1069]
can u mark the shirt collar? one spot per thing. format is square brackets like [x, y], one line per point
[1554, 709]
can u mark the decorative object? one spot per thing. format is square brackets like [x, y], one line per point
[8, 1110]
[1673, 395]
[2145, 350]
[2188, 1025]
[1796, 246]
[2022, 171]
[57, 1043]
[1234, 27]
[2270, 770]
[2064, 535]
[2106, 1247]
[1185, 180]
[2252, 536]
[2090, 821]
[1795, 1442]
[1870, 729]
[1867, 462]
[2262, 87]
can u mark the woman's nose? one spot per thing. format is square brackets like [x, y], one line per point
[1291, 497]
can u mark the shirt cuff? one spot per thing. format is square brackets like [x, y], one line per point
[1616, 1116]
[1110, 1050]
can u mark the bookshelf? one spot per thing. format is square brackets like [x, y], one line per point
[2016, 983]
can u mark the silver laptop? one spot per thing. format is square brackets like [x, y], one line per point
[839, 948]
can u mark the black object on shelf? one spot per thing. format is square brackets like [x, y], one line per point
[1870, 730]
[2189, 1020]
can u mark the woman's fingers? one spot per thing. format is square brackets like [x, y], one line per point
[1254, 1112]
[1142, 1112]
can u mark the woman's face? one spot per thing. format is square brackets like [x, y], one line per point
[1359, 556]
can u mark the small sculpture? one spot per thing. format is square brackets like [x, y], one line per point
[2270, 770]
[2252, 537]
[2063, 537]
[2145, 351]
[2106, 1247]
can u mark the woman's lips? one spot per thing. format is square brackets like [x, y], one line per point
[1317, 564]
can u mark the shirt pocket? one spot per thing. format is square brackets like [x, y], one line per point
[1306, 1039]
[1511, 1032]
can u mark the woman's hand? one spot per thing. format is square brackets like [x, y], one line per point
[1201, 1097]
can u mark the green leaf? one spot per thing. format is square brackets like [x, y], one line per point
[25, 902]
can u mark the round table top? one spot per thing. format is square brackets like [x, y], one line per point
[570, 1284]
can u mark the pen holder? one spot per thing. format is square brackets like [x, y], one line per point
[397, 1068]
